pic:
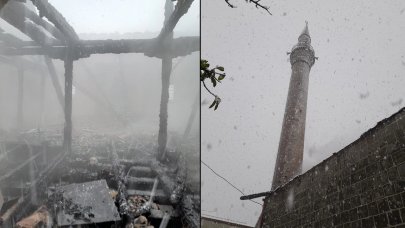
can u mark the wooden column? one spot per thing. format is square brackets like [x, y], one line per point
[55, 81]
[67, 137]
[164, 99]
[20, 101]
[191, 118]
[41, 99]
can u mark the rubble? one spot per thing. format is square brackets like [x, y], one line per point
[138, 189]
[84, 203]
[39, 218]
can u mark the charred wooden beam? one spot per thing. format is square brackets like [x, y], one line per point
[41, 99]
[67, 137]
[5, 219]
[190, 215]
[3, 3]
[46, 25]
[53, 15]
[19, 167]
[55, 81]
[164, 98]
[55, 52]
[20, 100]
[179, 47]
[120, 179]
[20, 62]
[12, 40]
[101, 102]
[192, 116]
[181, 8]
[105, 102]
[14, 14]
[40, 184]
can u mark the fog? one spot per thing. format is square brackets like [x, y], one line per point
[120, 145]
[118, 91]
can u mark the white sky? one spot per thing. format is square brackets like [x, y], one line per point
[123, 16]
[115, 18]
[361, 51]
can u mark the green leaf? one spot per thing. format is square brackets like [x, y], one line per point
[213, 103]
[220, 68]
[204, 64]
[216, 106]
[221, 77]
[214, 82]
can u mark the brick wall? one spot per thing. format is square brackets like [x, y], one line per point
[363, 185]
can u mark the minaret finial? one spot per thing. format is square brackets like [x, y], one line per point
[305, 37]
[306, 30]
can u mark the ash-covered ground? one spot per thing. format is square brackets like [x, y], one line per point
[111, 179]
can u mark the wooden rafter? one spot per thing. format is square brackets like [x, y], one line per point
[13, 41]
[53, 15]
[14, 14]
[3, 3]
[55, 81]
[17, 61]
[41, 22]
[181, 8]
[180, 47]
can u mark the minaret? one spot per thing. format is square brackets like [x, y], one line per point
[291, 145]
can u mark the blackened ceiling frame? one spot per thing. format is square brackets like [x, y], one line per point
[58, 40]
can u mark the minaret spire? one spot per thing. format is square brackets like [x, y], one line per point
[305, 31]
[305, 38]
[291, 145]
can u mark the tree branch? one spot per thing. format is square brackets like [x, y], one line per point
[256, 2]
[209, 90]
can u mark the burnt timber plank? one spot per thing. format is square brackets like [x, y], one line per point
[180, 47]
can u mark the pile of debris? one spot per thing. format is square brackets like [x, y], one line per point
[99, 184]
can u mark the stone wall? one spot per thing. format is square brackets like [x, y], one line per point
[363, 185]
[214, 223]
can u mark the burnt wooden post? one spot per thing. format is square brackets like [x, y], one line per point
[55, 81]
[67, 137]
[164, 99]
[41, 99]
[20, 98]
[191, 118]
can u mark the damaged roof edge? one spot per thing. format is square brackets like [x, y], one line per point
[379, 125]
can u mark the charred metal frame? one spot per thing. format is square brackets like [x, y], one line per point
[64, 44]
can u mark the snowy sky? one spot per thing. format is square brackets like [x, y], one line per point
[358, 80]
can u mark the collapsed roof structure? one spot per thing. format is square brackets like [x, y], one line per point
[55, 39]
